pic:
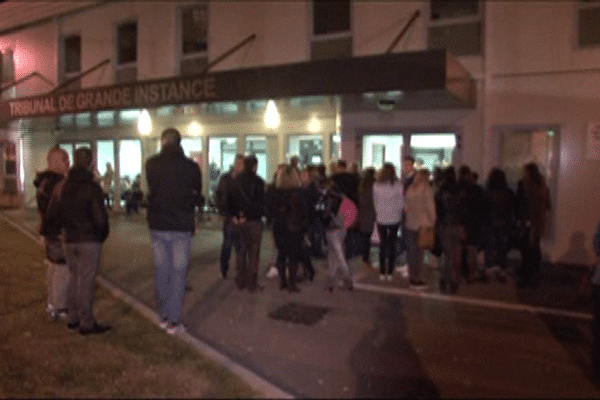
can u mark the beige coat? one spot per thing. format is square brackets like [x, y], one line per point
[419, 206]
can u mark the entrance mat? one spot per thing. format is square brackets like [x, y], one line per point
[299, 313]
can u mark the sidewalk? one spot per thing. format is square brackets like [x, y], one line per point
[318, 344]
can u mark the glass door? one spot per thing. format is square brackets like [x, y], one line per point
[130, 166]
[221, 153]
[433, 150]
[257, 145]
[379, 149]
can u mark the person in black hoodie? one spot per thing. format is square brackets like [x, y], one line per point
[175, 189]
[77, 207]
[57, 277]
[247, 199]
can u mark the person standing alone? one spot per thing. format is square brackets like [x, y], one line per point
[175, 185]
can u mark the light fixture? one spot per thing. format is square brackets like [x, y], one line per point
[144, 124]
[194, 129]
[314, 125]
[271, 115]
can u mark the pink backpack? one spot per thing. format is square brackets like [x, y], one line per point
[349, 211]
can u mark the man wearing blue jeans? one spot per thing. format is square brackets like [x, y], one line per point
[175, 186]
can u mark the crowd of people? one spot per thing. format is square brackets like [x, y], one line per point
[311, 214]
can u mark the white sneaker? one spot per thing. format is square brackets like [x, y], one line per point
[389, 278]
[382, 278]
[175, 329]
[273, 272]
[163, 324]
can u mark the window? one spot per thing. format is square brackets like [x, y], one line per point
[194, 39]
[126, 52]
[222, 108]
[331, 28]
[455, 26]
[71, 60]
[588, 23]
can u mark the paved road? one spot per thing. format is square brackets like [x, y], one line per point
[381, 340]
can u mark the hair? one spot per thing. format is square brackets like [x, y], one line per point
[83, 157]
[250, 162]
[171, 136]
[532, 174]
[449, 175]
[321, 170]
[57, 158]
[368, 178]
[341, 164]
[388, 173]
[425, 172]
[496, 179]
[288, 178]
[409, 158]
[464, 173]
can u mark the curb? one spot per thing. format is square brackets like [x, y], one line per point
[264, 388]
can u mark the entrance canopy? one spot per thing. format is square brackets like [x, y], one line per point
[433, 74]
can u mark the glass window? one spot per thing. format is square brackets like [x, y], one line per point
[433, 150]
[129, 116]
[307, 101]
[335, 147]
[105, 156]
[165, 111]
[130, 162]
[378, 149]
[257, 145]
[83, 119]
[72, 48]
[459, 39]
[589, 23]
[331, 16]
[127, 43]
[194, 29]
[191, 146]
[221, 156]
[308, 148]
[443, 9]
[105, 118]
[256, 106]
[222, 108]
[66, 120]
[68, 147]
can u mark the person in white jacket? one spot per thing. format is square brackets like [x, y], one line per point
[419, 209]
[388, 202]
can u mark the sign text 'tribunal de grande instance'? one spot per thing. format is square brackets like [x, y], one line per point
[140, 95]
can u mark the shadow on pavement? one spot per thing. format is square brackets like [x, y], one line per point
[385, 364]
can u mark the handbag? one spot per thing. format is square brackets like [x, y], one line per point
[426, 239]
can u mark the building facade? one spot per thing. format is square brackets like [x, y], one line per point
[531, 91]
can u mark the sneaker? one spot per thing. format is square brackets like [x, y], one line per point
[163, 324]
[175, 329]
[403, 270]
[389, 278]
[94, 329]
[382, 277]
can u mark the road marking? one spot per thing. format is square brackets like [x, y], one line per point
[266, 389]
[474, 302]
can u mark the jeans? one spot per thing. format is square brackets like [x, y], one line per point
[388, 234]
[366, 246]
[316, 231]
[231, 238]
[452, 238]
[83, 260]
[336, 260]
[171, 254]
[247, 261]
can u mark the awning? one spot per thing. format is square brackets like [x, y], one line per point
[434, 74]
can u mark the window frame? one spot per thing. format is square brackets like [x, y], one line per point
[62, 60]
[118, 64]
[330, 36]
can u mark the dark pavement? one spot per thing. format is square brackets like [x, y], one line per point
[381, 340]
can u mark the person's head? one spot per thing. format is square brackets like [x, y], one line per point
[464, 174]
[250, 164]
[321, 170]
[58, 160]
[531, 174]
[170, 137]
[308, 175]
[368, 178]
[408, 165]
[238, 164]
[421, 177]
[449, 175]
[83, 158]
[288, 178]
[333, 168]
[295, 162]
[108, 166]
[354, 168]
[496, 179]
[387, 174]
[341, 165]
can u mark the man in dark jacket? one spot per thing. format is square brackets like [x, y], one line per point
[247, 209]
[77, 207]
[57, 277]
[175, 186]
[231, 237]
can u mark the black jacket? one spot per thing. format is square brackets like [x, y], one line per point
[175, 189]
[78, 208]
[246, 197]
[44, 184]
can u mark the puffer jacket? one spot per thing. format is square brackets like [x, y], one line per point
[77, 206]
[44, 183]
